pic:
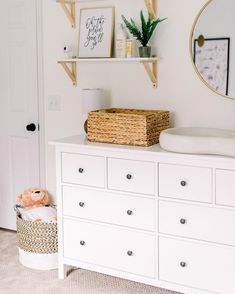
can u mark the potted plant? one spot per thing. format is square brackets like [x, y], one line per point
[144, 34]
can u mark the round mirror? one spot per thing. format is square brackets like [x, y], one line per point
[212, 41]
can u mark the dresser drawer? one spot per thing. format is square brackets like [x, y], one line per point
[83, 169]
[202, 223]
[131, 176]
[111, 247]
[225, 187]
[197, 265]
[106, 207]
[185, 182]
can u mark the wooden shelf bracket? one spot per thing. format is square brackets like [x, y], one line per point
[69, 10]
[152, 8]
[70, 68]
[151, 69]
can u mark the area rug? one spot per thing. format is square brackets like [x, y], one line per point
[15, 278]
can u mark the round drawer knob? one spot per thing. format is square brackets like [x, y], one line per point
[81, 170]
[81, 204]
[129, 253]
[183, 183]
[129, 177]
[183, 264]
[183, 221]
[82, 243]
[129, 212]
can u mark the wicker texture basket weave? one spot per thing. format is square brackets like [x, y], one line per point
[127, 126]
[37, 237]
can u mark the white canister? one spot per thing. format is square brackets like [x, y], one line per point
[92, 99]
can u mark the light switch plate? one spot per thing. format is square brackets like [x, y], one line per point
[54, 103]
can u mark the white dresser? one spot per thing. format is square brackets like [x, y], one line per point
[147, 215]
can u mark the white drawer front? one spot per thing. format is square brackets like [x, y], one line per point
[83, 169]
[111, 247]
[185, 182]
[196, 265]
[225, 187]
[202, 223]
[131, 176]
[103, 206]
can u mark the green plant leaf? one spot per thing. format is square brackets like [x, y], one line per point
[147, 28]
[134, 25]
[143, 22]
[133, 29]
[154, 24]
[149, 24]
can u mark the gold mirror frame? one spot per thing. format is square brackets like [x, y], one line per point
[191, 51]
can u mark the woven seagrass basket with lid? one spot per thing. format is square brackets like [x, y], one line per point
[135, 127]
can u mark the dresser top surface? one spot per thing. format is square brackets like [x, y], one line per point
[81, 141]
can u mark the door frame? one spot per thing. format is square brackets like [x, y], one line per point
[40, 91]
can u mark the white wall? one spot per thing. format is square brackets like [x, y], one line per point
[179, 90]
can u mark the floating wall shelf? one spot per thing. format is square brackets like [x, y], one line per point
[70, 65]
[69, 8]
[150, 65]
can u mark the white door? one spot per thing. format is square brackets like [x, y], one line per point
[19, 147]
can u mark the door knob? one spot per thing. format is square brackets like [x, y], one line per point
[183, 183]
[183, 221]
[129, 212]
[81, 204]
[129, 177]
[31, 127]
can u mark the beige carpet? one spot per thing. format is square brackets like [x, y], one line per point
[16, 279]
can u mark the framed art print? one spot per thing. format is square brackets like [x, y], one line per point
[96, 32]
[212, 61]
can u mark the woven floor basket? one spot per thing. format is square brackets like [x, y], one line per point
[127, 126]
[36, 237]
